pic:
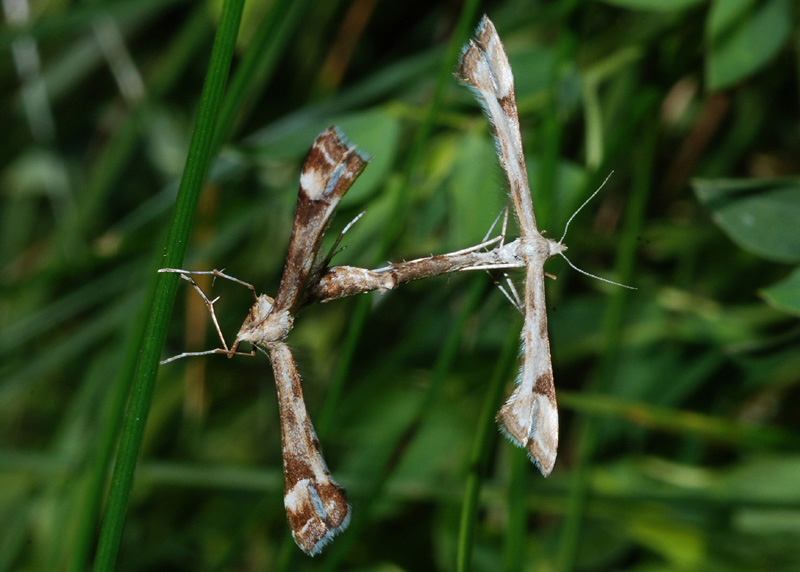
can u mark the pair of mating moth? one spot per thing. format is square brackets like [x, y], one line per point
[316, 505]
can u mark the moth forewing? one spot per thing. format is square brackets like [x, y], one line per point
[329, 170]
[316, 506]
[530, 415]
[485, 69]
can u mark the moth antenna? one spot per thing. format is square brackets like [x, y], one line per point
[601, 279]
[586, 202]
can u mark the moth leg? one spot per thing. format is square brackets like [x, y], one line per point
[512, 295]
[215, 273]
[186, 275]
[501, 238]
[215, 351]
[333, 251]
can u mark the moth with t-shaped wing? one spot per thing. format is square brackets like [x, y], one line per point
[315, 504]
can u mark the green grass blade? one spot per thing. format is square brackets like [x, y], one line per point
[166, 285]
[484, 431]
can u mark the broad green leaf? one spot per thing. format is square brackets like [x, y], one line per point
[655, 5]
[742, 36]
[785, 295]
[760, 216]
[533, 70]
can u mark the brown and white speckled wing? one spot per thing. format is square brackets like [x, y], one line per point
[530, 415]
[484, 68]
[329, 170]
[316, 506]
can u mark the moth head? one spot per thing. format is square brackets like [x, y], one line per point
[555, 248]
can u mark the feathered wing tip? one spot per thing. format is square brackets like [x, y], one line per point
[530, 420]
[331, 166]
[318, 511]
[316, 506]
[483, 64]
[363, 155]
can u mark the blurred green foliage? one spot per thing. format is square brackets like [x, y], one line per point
[680, 444]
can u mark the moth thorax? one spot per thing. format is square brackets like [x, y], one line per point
[262, 325]
[539, 248]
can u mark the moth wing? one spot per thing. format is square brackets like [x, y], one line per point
[316, 506]
[484, 68]
[329, 170]
[530, 415]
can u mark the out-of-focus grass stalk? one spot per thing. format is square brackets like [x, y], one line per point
[144, 375]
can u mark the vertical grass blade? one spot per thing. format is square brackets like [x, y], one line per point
[144, 375]
[484, 431]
